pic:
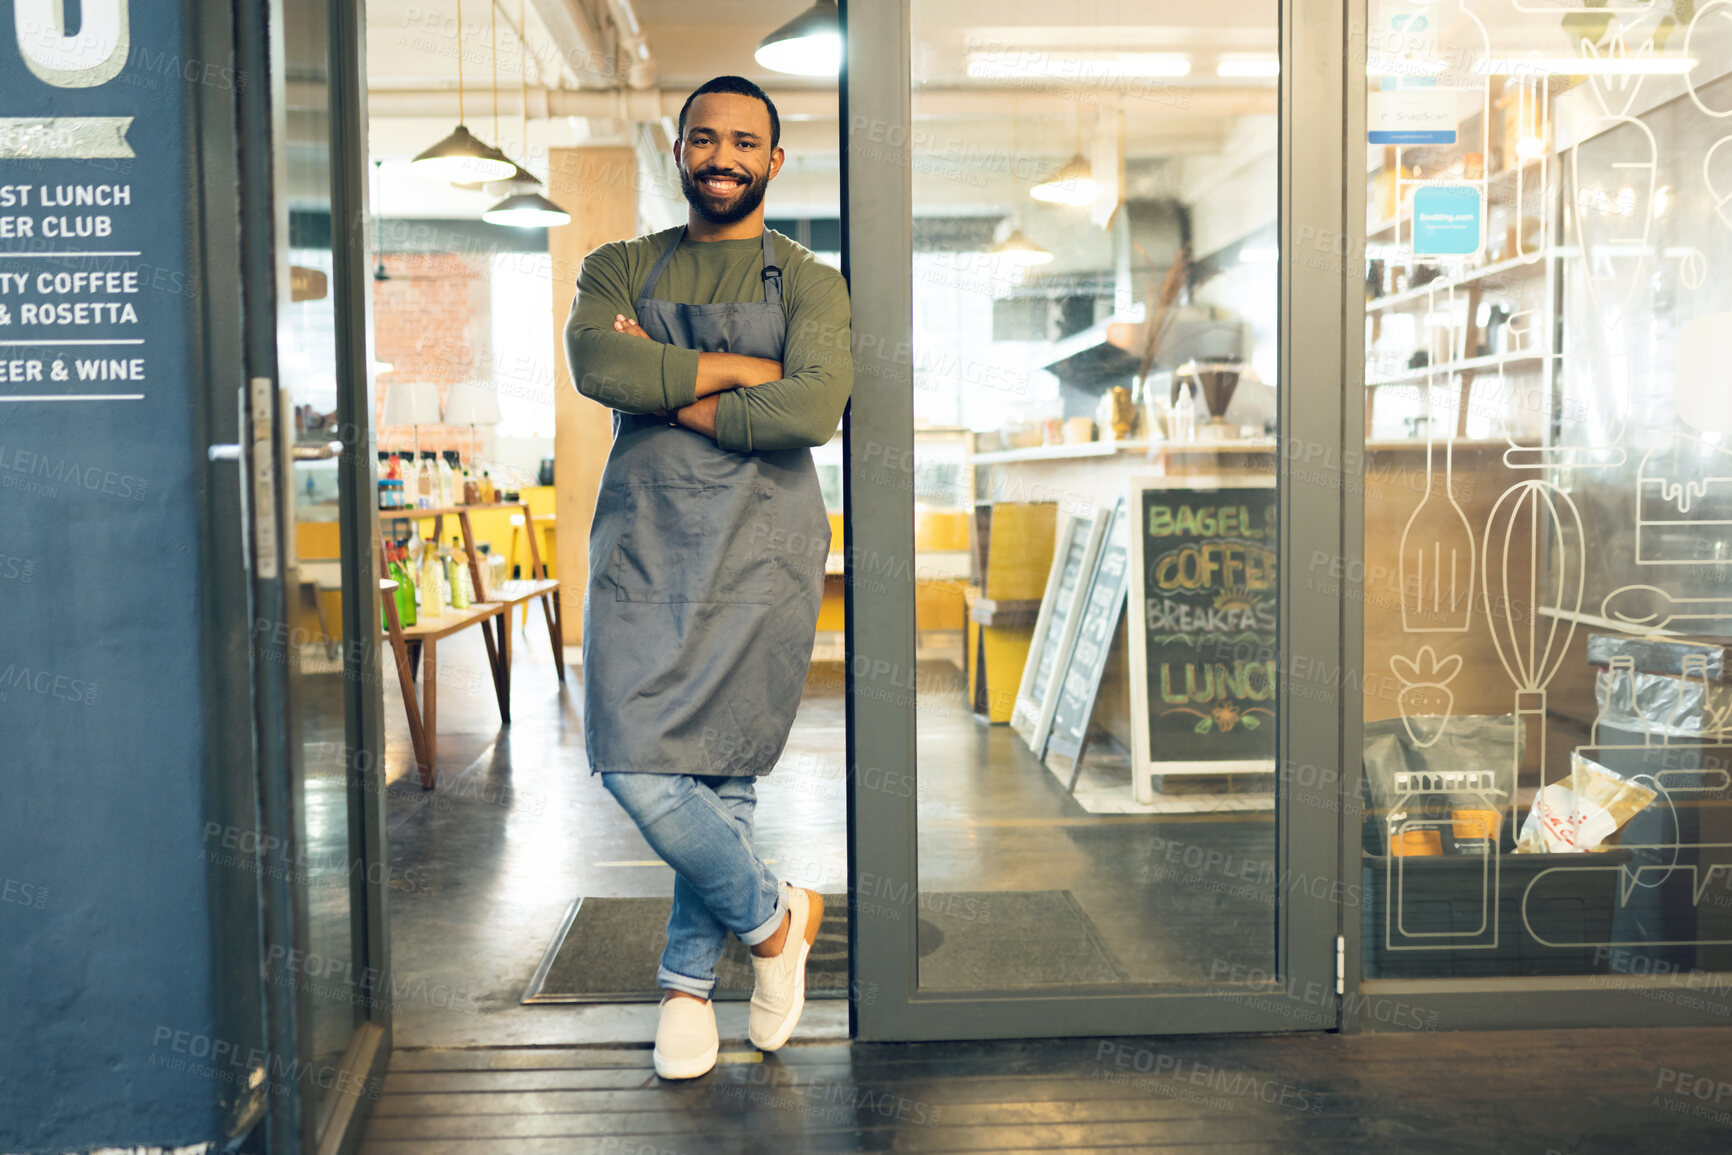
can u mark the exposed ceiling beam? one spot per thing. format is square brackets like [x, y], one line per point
[582, 49]
[819, 103]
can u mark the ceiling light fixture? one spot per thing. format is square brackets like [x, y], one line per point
[1073, 185]
[1247, 67]
[460, 156]
[1016, 249]
[1096, 66]
[808, 45]
[525, 208]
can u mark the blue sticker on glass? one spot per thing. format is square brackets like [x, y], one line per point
[1446, 221]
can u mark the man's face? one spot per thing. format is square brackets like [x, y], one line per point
[725, 159]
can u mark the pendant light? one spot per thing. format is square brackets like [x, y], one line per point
[525, 208]
[1075, 183]
[1016, 250]
[460, 156]
[519, 175]
[808, 45]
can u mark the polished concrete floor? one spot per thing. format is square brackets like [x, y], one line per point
[483, 867]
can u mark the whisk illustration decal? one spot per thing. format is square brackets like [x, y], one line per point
[1532, 576]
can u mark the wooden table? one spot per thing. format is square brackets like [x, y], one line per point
[424, 635]
[493, 615]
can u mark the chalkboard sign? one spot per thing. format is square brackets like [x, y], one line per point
[1079, 677]
[1203, 629]
[1066, 586]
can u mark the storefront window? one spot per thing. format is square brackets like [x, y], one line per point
[1547, 519]
[1094, 368]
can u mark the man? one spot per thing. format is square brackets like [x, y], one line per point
[723, 350]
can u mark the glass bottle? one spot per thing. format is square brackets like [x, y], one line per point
[458, 575]
[426, 482]
[484, 566]
[1185, 415]
[432, 581]
[447, 485]
[405, 587]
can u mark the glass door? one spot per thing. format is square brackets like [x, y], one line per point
[1110, 777]
[316, 651]
[1547, 535]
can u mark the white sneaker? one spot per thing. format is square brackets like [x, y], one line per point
[779, 992]
[685, 1039]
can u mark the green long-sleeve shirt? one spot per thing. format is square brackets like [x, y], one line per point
[636, 376]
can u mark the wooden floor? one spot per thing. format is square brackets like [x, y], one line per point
[1620, 1092]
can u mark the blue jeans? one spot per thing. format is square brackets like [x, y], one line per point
[702, 827]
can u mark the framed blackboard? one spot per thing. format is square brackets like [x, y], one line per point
[1078, 677]
[1203, 642]
[1066, 587]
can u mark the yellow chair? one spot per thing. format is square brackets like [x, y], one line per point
[546, 523]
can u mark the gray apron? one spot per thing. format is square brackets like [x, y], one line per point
[706, 569]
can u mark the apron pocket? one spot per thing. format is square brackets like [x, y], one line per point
[694, 543]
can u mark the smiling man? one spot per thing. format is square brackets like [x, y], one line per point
[723, 350]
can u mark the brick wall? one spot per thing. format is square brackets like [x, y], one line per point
[433, 321]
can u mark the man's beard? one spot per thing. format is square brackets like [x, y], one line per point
[750, 196]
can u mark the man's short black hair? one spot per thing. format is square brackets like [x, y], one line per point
[739, 86]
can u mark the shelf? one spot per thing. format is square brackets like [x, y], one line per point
[1388, 224]
[1059, 452]
[1536, 262]
[406, 513]
[1469, 364]
[1234, 445]
[1112, 448]
[511, 593]
[447, 623]
[1403, 443]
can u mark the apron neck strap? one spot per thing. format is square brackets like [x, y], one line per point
[649, 286]
[771, 273]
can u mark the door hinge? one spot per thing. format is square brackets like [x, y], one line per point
[1340, 964]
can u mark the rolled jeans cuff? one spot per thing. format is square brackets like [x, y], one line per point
[673, 981]
[770, 925]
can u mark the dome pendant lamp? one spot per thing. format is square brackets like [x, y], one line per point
[460, 156]
[1074, 185]
[525, 208]
[808, 45]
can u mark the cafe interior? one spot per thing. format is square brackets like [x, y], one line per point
[1095, 357]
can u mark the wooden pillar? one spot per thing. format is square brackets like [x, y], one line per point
[595, 186]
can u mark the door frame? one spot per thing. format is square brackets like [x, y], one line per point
[878, 160]
[286, 1005]
[1456, 1004]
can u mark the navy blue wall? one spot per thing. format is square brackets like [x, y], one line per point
[107, 985]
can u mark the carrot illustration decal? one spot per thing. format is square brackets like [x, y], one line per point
[1426, 700]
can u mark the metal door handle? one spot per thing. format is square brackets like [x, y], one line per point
[229, 452]
[323, 452]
